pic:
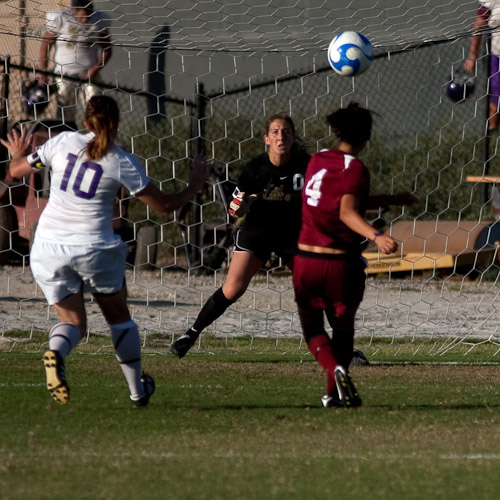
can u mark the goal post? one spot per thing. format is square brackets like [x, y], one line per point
[201, 77]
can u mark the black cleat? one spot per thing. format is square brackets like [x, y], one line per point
[359, 359]
[56, 377]
[182, 345]
[347, 395]
[149, 389]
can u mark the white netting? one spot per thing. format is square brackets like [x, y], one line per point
[202, 76]
[267, 25]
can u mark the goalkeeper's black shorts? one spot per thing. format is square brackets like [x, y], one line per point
[261, 244]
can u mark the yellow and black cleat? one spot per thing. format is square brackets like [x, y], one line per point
[56, 377]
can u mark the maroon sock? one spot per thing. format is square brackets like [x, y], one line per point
[321, 348]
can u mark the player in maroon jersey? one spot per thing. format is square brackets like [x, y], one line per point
[329, 272]
[268, 192]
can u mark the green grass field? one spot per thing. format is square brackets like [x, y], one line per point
[231, 423]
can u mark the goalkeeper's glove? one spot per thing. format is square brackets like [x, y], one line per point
[240, 203]
[237, 206]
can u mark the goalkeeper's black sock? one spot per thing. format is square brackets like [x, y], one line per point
[215, 307]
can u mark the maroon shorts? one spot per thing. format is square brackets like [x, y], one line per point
[332, 283]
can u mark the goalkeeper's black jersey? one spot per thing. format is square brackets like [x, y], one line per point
[277, 209]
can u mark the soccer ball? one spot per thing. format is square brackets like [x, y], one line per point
[35, 98]
[350, 53]
[461, 86]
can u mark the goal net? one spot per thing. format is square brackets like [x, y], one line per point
[197, 76]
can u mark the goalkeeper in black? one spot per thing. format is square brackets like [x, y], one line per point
[268, 193]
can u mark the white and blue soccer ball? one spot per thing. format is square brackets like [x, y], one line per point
[350, 53]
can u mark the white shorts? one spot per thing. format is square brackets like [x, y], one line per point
[61, 270]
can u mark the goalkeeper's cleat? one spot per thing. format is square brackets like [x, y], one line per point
[346, 392]
[56, 377]
[359, 359]
[149, 388]
[182, 345]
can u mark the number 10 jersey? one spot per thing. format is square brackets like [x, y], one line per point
[82, 192]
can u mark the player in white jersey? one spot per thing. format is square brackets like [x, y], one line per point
[75, 249]
[80, 37]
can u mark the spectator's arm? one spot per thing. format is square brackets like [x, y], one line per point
[43, 59]
[480, 23]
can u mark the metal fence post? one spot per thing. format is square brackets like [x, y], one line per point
[197, 133]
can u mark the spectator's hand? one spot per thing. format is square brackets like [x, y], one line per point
[199, 173]
[386, 244]
[17, 144]
[42, 79]
[91, 73]
[470, 66]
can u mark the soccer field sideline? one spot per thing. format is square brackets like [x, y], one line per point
[241, 455]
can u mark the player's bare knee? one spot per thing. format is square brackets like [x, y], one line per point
[234, 291]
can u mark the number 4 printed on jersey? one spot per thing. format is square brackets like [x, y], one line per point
[313, 188]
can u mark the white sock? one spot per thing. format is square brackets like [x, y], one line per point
[63, 338]
[127, 344]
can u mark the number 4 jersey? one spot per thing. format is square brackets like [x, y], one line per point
[329, 176]
[82, 192]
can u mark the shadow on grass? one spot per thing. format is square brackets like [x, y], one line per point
[318, 407]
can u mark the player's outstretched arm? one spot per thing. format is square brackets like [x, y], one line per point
[351, 218]
[165, 203]
[19, 147]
